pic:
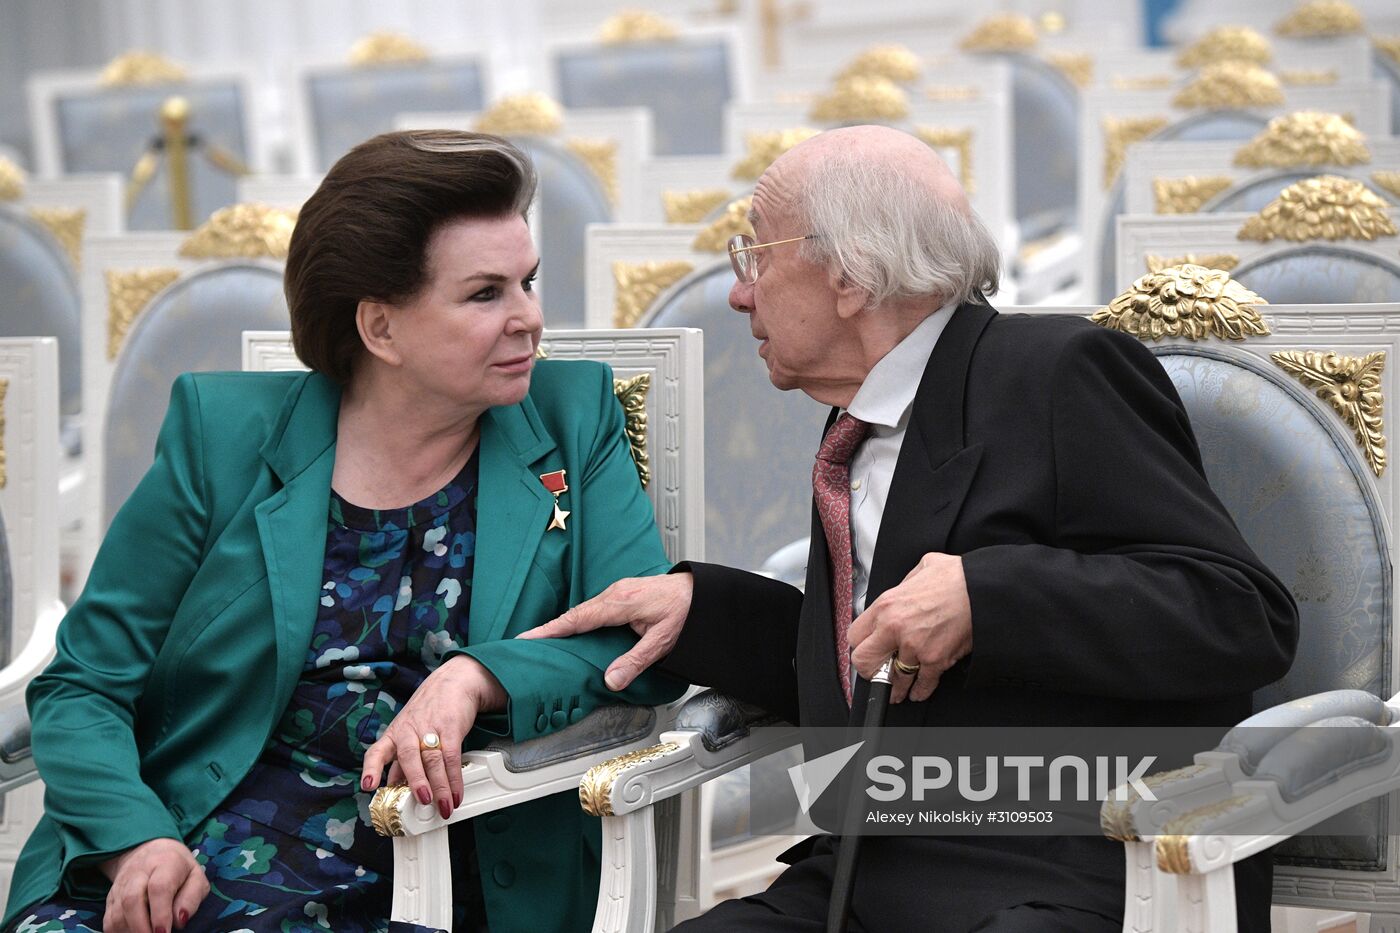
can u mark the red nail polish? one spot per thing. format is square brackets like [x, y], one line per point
[366, 782]
[456, 800]
[424, 795]
[160, 930]
[184, 917]
[444, 808]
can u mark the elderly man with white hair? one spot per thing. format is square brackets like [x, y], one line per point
[1013, 506]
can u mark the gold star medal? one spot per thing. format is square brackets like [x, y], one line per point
[557, 484]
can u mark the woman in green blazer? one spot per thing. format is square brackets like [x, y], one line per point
[321, 576]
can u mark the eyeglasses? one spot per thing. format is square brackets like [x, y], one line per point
[741, 257]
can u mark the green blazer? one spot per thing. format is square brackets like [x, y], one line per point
[182, 652]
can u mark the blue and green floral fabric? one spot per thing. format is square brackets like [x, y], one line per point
[292, 848]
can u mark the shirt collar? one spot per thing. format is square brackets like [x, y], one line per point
[886, 395]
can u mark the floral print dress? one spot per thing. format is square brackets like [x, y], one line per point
[292, 847]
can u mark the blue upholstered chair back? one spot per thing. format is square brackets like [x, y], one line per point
[108, 130]
[1291, 475]
[1045, 107]
[759, 442]
[684, 82]
[41, 300]
[1203, 127]
[195, 325]
[347, 107]
[570, 199]
[1317, 273]
[1388, 70]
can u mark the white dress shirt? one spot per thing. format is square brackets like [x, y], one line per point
[884, 401]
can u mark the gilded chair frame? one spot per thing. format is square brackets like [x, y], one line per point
[29, 405]
[1153, 899]
[1344, 60]
[1213, 239]
[667, 412]
[1111, 121]
[71, 208]
[123, 276]
[1196, 177]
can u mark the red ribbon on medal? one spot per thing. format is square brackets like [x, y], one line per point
[556, 484]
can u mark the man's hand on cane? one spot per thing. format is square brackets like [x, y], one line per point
[655, 608]
[925, 621]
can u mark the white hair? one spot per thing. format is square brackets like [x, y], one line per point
[890, 236]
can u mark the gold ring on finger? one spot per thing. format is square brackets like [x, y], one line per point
[430, 740]
[910, 669]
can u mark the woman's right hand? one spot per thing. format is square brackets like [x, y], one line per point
[156, 886]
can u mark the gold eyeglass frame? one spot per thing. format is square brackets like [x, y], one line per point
[743, 243]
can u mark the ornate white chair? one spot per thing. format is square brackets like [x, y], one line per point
[1224, 177]
[29, 600]
[44, 223]
[1325, 240]
[156, 305]
[115, 122]
[336, 105]
[1287, 404]
[684, 76]
[658, 378]
[587, 162]
[1229, 100]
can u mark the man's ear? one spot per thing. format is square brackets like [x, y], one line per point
[851, 299]
[372, 319]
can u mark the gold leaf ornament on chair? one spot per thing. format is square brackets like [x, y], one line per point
[632, 26]
[1352, 386]
[862, 97]
[531, 114]
[1231, 85]
[139, 68]
[387, 48]
[892, 62]
[1309, 138]
[764, 148]
[1185, 301]
[12, 181]
[1001, 32]
[1227, 43]
[1328, 207]
[1321, 18]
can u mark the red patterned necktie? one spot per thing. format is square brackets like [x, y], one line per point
[831, 487]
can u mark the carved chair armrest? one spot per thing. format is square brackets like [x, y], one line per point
[1127, 817]
[713, 735]
[1313, 774]
[507, 773]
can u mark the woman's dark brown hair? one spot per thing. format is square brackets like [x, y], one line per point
[364, 234]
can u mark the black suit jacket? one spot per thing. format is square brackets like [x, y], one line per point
[1108, 586]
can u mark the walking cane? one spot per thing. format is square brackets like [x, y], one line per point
[843, 882]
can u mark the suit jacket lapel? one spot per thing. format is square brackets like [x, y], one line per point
[935, 467]
[512, 513]
[292, 521]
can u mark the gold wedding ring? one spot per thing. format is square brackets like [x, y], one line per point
[910, 669]
[430, 739]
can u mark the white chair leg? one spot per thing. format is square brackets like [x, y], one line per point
[1206, 903]
[423, 880]
[1385, 923]
[628, 890]
[1140, 901]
